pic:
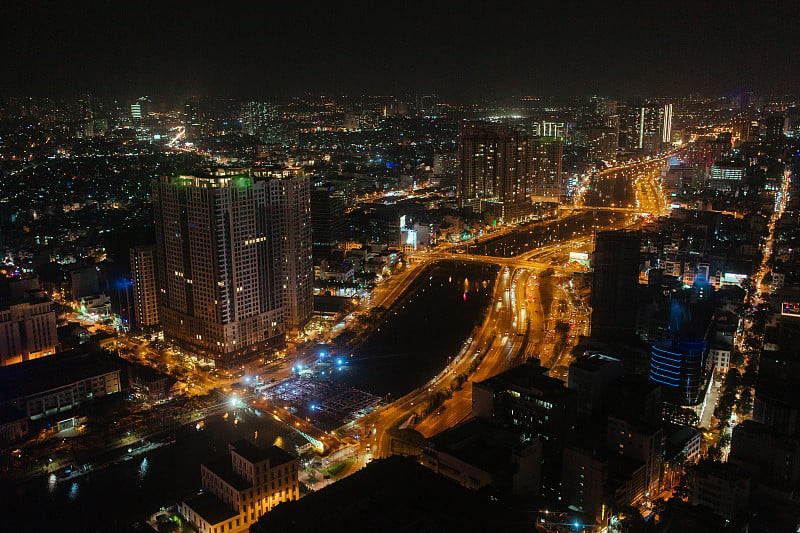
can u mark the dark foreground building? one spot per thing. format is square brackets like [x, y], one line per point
[393, 494]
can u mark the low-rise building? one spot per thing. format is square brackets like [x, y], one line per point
[241, 488]
[56, 384]
[476, 454]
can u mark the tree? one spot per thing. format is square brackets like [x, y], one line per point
[744, 405]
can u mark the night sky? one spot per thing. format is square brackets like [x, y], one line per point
[455, 49]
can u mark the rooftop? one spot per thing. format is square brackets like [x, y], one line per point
[529, 375]
[53, 371]
[594, 361]
[416, 499]
[210, 508]
[479, 443]
[254, 454]
[222, 467]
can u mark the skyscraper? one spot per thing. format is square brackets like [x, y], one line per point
[143, 275]
[327, 214]
[218, 264]
[290, 206]
[494, 165]
[546, 156]
[616, 278]
[603, 143]
[666, 124]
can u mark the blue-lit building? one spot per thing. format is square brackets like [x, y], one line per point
[680, 367]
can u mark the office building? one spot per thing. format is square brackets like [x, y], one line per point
[616, 279]
[722, 487]
[219, 264]
[241, 488]
[557, 130]
[140, 108]
[590, 375]
[643, 444]
[535, 406]
[680, 367]
[726, 176]
[27, 328]
[477, 454]
[145, 295]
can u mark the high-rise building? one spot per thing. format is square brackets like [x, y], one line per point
[666, 124]
[27, 328]
[549, 129]
[140, 108]
[603, 143]
[726, 175]
[546, 159]
[290, 204]
[219, 264]
[495, 168]
[327, 214]
[534, 405]
[774, 126]
[145, 295]
[616, 278]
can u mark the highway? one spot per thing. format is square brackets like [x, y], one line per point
[514, 328]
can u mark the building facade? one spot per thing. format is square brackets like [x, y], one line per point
[241, 488]
[218, 264]
[27, 330]
[145, 294]
[616, 278]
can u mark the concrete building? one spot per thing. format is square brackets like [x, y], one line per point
[585, 483]
[241, 488]
[27, 328]
[722, 487]
[616, 279]
[501, 169]
[227, 283]
[603, 143]
[290, 208]
[642, 443]
[476, 454]
[534, 405]
[590, 375]
[546, 162]
[57, 384]
[327, 214]
[726, 176]
[145, 294]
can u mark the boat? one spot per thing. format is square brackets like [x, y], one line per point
[72, 472]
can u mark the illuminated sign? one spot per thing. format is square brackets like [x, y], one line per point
[791, 309]
[578, 256]
[733, 279]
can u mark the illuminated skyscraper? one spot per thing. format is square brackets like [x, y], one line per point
[666, 124]
[143, 275]
[218, 264]
[546, 156]
[495, 168]
[290, 208]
